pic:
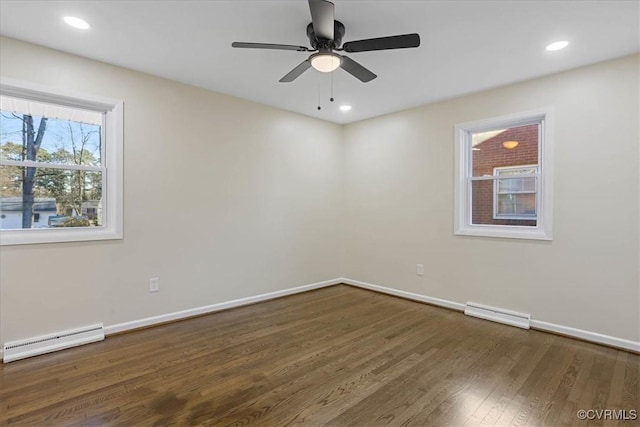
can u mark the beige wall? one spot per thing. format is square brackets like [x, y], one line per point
[399, 204]
[224, 199]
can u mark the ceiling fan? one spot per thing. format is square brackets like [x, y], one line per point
[325, 35]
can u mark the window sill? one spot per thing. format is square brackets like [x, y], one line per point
[37, 236]
[513, 232]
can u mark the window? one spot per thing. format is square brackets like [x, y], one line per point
[504, 177]
[515, 198]
[60, 166]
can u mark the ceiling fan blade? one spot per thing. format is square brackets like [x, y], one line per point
[295, 73]
[269, 46]
[383, 43]
[322, 17]
[356, 70]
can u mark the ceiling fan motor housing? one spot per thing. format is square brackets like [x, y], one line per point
[318, 43]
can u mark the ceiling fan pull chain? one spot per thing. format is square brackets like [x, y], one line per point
[331, 99]
[319, 90]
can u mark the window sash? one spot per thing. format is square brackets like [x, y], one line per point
[67, 197]
[103, 139]
[496, 215]
[498, 175]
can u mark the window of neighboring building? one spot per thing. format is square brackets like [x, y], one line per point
[60, 155]
[515, 198]
[504, 177]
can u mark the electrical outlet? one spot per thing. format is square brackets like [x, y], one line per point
[420, 269]
[154, 284]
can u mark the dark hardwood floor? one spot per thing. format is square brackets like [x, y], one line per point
[337, 356]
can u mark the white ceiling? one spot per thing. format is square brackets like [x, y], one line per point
[467, 46]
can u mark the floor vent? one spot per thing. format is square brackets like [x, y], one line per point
[53, 342]
[513, 318]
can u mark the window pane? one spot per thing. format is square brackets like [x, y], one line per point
[49, 140]
[60, 198]
[528, 185]
[516, 171]
[516, 205]
[511, 209]
[516, 185]
[505, 147]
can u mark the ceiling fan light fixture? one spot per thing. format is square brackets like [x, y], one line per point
[325, 62]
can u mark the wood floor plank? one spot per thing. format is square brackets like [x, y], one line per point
[503, 400]
[335, 356]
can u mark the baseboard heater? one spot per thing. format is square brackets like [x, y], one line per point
[52, 342]
[508, 317]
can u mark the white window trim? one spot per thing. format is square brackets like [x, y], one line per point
[462, 198]
[496, 171]
[112, 227]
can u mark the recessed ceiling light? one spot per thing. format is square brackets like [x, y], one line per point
[76, 22]
[345, 107]
[558, 45]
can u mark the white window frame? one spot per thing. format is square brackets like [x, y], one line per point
[496, 185]
[112, 166]
[463, 177]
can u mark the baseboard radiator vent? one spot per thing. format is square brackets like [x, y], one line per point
[508, 317]
[52, 342]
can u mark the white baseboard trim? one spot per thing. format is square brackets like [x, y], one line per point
[163, 318]
[535, 324]
[408, 295]
[586, 335]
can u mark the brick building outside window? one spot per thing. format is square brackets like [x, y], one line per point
[501, 153]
